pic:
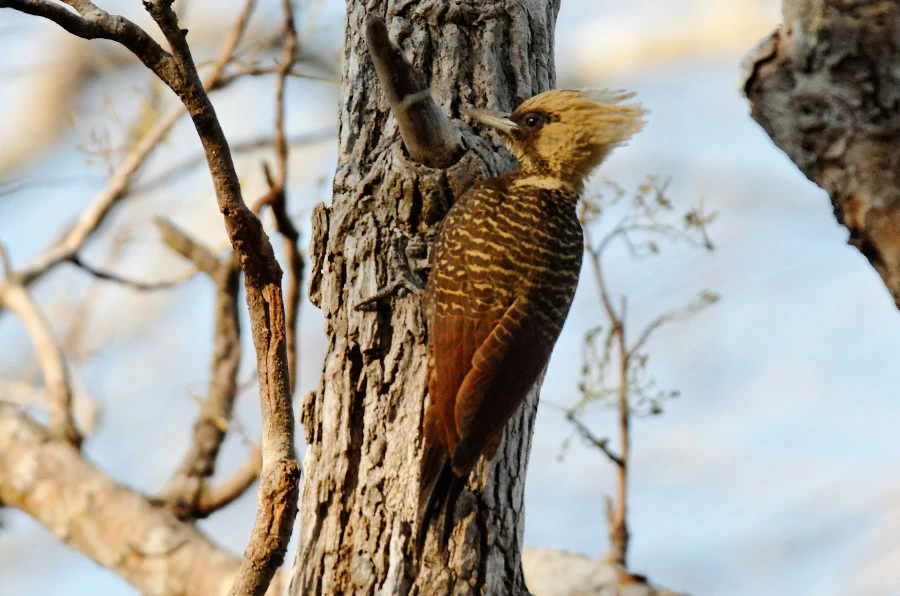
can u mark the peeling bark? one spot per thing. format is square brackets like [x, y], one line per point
[364, 422]
[825, 87]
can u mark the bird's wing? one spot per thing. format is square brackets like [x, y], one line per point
[497, 360]
[454, 340]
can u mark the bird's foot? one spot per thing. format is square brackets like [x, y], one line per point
[406, 280]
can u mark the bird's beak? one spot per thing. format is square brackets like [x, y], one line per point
[493, 119]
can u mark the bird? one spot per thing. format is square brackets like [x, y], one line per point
[504, 270]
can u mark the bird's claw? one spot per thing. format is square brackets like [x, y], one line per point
[405, 282]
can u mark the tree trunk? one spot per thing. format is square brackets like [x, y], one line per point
[364, 423]
[824, 86]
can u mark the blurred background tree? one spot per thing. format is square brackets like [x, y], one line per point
[615, 372]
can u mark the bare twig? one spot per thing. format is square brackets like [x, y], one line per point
[60, 425]
[600, 443]
[93, 23]
[428, 134]
[123, 281]
[616, 360]
[215, 80]
[295, 266]
[705, 299]
[278, 184]
[214, 498]
[594, 254]
[119, 183]
[186, 165]
[254, 70]
[187, 247]
[280, 471]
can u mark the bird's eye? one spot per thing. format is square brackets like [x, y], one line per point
[533, 121]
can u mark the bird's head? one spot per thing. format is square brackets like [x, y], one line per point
[563, 135]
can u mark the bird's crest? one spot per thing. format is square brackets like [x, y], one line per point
[564, 134]
[589, 116]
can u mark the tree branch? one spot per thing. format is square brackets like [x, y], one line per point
[60, 425]
[186, 165]
[94, 23]
[824, 88]
[187, 247]
[113, 525]
[428, 134]
[280, 471]
[276, 198]
[601, 443]
[119, 183]
[124, 281]
[278, 186]
[262, 274]
[214, 498]
[706, 299]
[184, 491]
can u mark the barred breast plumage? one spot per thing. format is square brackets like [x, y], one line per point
[504, 271]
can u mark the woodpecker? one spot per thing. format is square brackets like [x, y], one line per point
[503, 273]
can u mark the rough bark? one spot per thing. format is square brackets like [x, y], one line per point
[363, 424]
[825, 87]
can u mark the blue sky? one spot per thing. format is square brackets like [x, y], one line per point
[774, 473]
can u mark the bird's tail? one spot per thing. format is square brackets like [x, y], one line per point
[439, 490]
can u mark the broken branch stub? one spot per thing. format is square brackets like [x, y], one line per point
[428, 134]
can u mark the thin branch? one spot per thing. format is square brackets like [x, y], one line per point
[277, 200]
[595, 256]
[214, 79]
[185, 166]
[254, 70]
[278, 491]
[119, 183]
[705, 299]
[79, 316]
[187, 247]
[280, 472]
[91, 218]
[428, 134]
[94, 23]
[57, 383]
[123, 281]
[283, 221]
[227, 492]
[601, 443]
